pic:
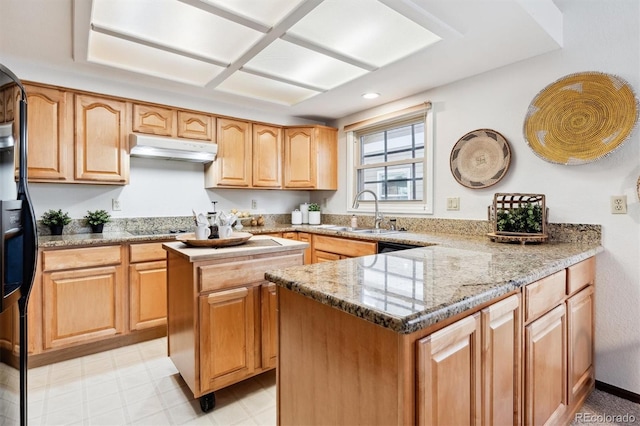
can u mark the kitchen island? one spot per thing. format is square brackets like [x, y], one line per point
[489, 333]
[221, 312]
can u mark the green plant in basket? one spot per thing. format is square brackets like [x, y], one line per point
[525, 219]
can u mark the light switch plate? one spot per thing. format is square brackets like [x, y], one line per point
[619, 204]
[453, 203]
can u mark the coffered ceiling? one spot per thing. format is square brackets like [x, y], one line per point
[301, 58]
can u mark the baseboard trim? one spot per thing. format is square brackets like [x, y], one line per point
[619, 392]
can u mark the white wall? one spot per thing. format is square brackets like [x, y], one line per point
[159, 188]
[599, 35]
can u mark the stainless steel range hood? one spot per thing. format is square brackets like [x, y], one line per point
[171, 149]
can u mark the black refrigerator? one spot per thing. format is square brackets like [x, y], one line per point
[18, 251]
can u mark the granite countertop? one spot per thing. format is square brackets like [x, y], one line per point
[258, 244]
[409, 290]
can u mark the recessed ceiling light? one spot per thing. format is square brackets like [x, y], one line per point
[370, 95]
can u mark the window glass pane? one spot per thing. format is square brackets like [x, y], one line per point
[400, 139]
[372, 148]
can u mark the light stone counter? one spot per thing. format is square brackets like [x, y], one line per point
[258, 244]
[409, 290]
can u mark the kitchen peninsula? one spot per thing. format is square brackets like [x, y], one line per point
[448, 334]
[221, 312]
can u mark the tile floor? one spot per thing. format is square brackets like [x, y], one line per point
[133, 385]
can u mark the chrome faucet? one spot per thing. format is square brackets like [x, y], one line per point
[379, 217]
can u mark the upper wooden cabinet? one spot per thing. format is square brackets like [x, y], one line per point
[311, 157]
[267, 156]
[101, 144]
[192, 125]
[154, 120]
[232, 167]
[50, 133]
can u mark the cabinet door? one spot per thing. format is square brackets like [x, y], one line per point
[50, 130]
[154, 120]
[226, 337]
[267, 156]
[300, 158]
[192, 125]
[449, 379]
[82, 305]
[148, 294]
[7, 329]
[233, 162]
[545, 368]
[306, 237]
[269, 326]
[580, 332]
[501, 366]
[101, 145]
[325, 256]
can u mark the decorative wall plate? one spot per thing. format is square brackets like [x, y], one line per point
[580, 118]
[480, 158]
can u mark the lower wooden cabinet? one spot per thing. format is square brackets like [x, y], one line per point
[306, 237]
[227, 328]
[268, 303]
[327, 248]
[449, 376]
[580, 320]
[147, 286]
[501, 362]
[82, 305]
[546, 368]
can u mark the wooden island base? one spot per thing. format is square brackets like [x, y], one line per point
[523, 359]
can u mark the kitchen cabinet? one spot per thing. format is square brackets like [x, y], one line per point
[154, 120]
[221, 313]
[327, 248]
[267, 156]
[311, 158]
[101, 145]
[449, 376]
[233, 164]
[580, 329]
[249, 156]
[306, 237]
[50, 130]
[147, 286]
[193, 125]
[73, 282]
[268, 304]
[545, 350]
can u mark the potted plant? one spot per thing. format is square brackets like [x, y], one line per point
[525, 219]
[55, 220]
[314, 214]
[97, 219]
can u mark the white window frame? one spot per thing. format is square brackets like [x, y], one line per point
[392, 207]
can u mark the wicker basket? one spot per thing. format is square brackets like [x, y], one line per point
[510, 203]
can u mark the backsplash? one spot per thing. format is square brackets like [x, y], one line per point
[558, 232]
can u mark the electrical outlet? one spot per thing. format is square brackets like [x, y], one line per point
[254, 204]
[453, 203]
[115, 204]
[619, 204]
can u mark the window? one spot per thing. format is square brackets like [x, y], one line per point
[393, 158]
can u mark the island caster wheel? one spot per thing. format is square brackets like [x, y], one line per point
[207, 402]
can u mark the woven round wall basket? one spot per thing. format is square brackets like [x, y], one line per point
[581, 118]
[480, 158]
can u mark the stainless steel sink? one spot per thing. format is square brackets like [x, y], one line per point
[374, 231]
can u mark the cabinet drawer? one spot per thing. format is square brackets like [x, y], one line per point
[580, 275]
[215, 277]
[146, 252]
[351, 248]
[154, 120]
[86, 257]
[544, 294]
